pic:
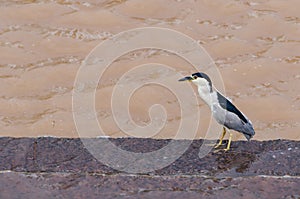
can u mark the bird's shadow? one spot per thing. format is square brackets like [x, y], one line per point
[234, 159]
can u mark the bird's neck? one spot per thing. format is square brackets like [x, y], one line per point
[207, 96]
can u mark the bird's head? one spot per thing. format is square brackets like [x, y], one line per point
[200, 79]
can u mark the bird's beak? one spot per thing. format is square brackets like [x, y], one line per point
[188, 78]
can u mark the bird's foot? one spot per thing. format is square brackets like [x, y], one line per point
[229, 143]
[218, 145]
[215, 145]
[218, 150]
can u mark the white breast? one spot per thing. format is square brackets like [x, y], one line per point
[211, 99]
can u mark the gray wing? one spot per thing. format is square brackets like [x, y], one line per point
[226, 104]
[234, 119]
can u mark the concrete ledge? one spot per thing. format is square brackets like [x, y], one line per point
[63, 168]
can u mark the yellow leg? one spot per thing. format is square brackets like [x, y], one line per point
[229, 142]
[221, 138]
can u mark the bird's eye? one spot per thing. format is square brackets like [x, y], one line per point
[195, 77]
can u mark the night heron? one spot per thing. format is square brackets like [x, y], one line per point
[222, 109]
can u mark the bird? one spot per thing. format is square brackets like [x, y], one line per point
[224, 112]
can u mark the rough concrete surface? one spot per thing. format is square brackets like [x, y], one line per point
[63, 168]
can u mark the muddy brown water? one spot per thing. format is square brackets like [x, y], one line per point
[255, 45]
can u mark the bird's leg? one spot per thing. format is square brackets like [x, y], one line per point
[221, 138]
[229, 142]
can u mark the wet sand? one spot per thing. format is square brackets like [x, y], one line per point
[255, 45]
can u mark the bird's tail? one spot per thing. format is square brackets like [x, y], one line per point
[249, 131]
